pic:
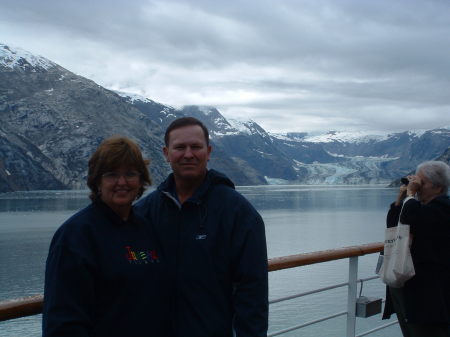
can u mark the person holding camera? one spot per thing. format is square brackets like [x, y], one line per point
[422, 305]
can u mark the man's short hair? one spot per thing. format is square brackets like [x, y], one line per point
[185, 121]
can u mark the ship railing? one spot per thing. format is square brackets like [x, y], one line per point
[32, 305]
[352, 253]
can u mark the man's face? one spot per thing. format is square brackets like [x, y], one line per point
[187, 152]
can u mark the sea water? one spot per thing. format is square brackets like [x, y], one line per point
[298, 219]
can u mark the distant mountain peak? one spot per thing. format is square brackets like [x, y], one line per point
[346, 136]
[133, 97]
[240, 125]
[208, 110]
[18, 58]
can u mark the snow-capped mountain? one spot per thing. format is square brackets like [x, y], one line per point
[334, 157]
[14, 58]
[361, 157]
[243, 150]
[239, 171]
[52, 120]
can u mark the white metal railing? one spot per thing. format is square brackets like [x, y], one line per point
[352, 286]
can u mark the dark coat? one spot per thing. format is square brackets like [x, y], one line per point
[104, 277]
[427, 294]
[216, 249]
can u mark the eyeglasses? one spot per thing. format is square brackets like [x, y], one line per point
[129, 176]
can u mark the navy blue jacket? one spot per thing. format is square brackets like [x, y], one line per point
[215, 248]
[105, 277]
[427, 294]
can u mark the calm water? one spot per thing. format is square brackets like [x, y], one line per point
[298, 219]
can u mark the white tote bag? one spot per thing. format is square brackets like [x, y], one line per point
[397, 266]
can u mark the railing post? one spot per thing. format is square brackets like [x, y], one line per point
[351, 301]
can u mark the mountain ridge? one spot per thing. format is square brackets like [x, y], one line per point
[53, 119]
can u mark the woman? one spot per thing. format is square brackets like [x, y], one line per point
[423, 303]
[104, 269]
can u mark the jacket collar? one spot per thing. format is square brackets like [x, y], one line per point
[111, 215]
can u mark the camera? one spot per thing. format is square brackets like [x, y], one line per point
[404, 181]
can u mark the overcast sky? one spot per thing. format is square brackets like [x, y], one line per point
[290, 65]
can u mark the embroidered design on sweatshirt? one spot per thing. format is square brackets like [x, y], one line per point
[141, 256]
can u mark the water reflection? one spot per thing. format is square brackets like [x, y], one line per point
[43, 201]
[318, 197]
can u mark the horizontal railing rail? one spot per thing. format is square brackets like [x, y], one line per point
[319, 290]
[324, 318]
[32, 305]
[21, 307]
[298, 260]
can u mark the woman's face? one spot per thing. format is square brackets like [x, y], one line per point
[119, 188]
[427, 191]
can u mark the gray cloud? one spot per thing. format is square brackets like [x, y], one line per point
[289, 65]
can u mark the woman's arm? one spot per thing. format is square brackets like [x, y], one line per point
[68, 295]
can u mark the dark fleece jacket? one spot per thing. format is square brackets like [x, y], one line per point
[215, 247]
[105, 277]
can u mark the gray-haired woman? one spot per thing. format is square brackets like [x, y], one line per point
[422, 305]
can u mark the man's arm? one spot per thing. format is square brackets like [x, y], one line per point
[250, 277]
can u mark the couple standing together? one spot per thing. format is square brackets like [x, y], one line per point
[190, 259]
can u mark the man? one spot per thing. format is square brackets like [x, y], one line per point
[212, 239]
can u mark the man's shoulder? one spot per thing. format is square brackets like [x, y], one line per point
[150, 195]
[226, 191]
[227, 196]
[146, 200]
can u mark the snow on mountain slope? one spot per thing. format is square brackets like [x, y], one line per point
[356, 137]
[19, 58]
[346, 136]
[133, 97]
[248, 127]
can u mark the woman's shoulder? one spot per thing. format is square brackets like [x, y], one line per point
[443, 203]
[78, 225]
[83, 216]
